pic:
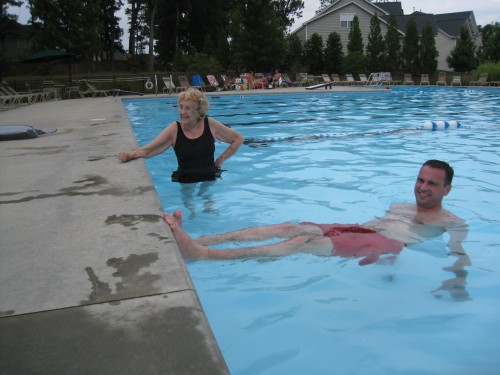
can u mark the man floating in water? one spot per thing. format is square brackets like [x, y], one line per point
[403, 224]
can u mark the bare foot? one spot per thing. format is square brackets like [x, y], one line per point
[189, 248]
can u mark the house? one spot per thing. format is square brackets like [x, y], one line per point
[339, 15]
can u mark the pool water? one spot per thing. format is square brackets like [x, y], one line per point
[345, 157]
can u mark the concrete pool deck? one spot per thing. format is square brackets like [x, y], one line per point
[92, 280]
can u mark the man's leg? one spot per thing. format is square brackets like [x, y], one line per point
[285, 230]
[191, 249]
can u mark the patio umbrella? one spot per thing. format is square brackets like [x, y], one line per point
[48, 55]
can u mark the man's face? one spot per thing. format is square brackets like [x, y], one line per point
[430, 187]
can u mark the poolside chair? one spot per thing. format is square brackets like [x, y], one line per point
[482, 81]
[441, 81]
[212, 81]
[288, 81]
[258, 82]
[19, 97]
[184, 82]
[197, 83]
[169, 85]
[386, 79]
[304, 80]
[363, 81]
[92, 91]
[408, 80]
[6, 98]
[456, 81]
[229, 83]
[336, 79]
[424, 79]
[326, 78]
[349, 79]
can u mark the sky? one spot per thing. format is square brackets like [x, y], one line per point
[485, 11]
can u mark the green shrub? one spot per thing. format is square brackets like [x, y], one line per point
[492, 68]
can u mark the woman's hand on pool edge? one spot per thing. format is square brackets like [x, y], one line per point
[125, 156]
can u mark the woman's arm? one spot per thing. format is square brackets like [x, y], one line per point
[226, 135]
[158, 145]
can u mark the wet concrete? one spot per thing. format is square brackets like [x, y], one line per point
[91, 280]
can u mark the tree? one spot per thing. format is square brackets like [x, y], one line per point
[411, 48]
[72, 26]
[355, 43]
[428, 51]
[294, 53]
[376, 47]
[258, 39]
[491, 43]
[323, 4]
[355, 61]
[7, 24]
[393, 46]
[287, 10]
[334, 55]
[111, 32]
[313, 53]
[463, 57]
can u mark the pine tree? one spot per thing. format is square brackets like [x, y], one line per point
[355, 61]
[393, 46]
[334, 55]
[313, 53]
[376, 46]
[411, 48]
[428, 51]
[463, 57]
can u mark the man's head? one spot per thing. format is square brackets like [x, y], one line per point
[433, 183]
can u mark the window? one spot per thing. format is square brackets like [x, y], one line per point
[346, 20]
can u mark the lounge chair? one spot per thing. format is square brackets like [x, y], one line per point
[408, 80]
[19, 97]
[258, 82]
[424, 79]
[169, 85]
[304, 80]
[288, 81]
[362, 80]
[336, 79]
[92, 91]
[197, 83]
[386, 79]
[456, 81]
[212, 81]
[184, 83]
[482, 81]
[6, 98]
[349, 80]
[326, 78]
[228, 86]
[441, 81]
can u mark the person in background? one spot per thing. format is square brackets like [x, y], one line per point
[277, 79]
[193, 139]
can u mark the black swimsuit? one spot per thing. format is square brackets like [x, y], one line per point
[195, 157]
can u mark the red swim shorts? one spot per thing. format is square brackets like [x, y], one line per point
[353, 240]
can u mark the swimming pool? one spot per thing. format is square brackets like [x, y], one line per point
[345, 157]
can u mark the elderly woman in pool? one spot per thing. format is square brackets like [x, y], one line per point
[193, 139]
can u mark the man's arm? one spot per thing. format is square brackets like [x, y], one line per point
[456, 285]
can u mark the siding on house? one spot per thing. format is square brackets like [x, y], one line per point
[446, 26]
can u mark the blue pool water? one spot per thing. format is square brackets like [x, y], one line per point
[345, 157]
